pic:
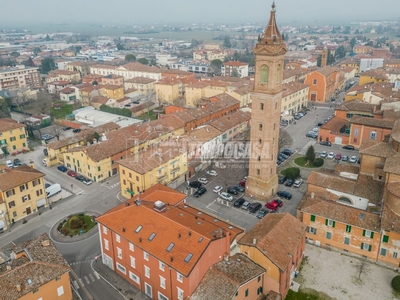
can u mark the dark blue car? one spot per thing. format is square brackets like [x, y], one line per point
[62, 168]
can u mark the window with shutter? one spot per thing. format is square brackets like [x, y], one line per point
[385, 239]
[312, 218]
[348, 228]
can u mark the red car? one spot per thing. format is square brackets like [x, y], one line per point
[71, 173]
[274, 204]
[242, 183]
[338, 156]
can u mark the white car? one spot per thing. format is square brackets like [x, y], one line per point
[9, 164]
[353, 159]
[217, 189]
[245, 205]
[202, 180]
[44, 161]
[226, 196]
[298, 183]
[323, 154]
[331, 155]
[212, 173]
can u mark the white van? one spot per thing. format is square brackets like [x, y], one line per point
[53, 189]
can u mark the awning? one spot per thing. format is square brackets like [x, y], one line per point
[288, 118]
[130, 192]
[41, 202]
[2, 225]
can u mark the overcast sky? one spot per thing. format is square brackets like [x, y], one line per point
[135, 12]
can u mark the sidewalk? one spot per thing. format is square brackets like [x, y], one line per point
[124, 287]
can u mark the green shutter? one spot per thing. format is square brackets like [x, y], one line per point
[326, 222]
[348, 228]
[364, 232]
[333, 224]
[312, 218]
[372, 235]
[369, 248]
[362, 245]
[386, 239]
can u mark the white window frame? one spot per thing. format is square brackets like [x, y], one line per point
[106, 245]
[368, 233]
[365, 247]
[161, 265]
[60, 291]
[330, 223]
[119, 253]
[179, 293]
[145, 255]
[105, 230]
[147, 271]
[162, 297]
[373, 135]
[131, 247]
[151, 289]
[118, 238]
[344, 241]
[162, 282]
[312, 230]
[133, 262]
[134, 278]
[179, 277]
[394, 254]
[328, 233]
[121, 268]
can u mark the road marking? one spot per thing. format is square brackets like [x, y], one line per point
[81, 282]
[91, 277]
[86, 279]
[76, 285]
[97, 275]
[211, 208]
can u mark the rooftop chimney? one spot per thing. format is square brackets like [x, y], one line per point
[254, 241]
[45, 243]
[312, 195]
[159, 206]
[18, 286]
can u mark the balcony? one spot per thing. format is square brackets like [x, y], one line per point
[174, 170]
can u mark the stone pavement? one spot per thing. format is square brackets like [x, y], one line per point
[129, 291]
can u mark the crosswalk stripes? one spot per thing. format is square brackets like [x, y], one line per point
[76, 285]
[91, 277]
[97, 275]
[87, 279]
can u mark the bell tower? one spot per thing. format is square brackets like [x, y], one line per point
[269, 51]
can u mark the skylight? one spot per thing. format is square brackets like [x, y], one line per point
[188, 257]
[170, 247]
[152, 236]
[139, 228]
[200, 239]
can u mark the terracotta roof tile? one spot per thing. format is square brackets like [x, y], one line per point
[18, 176]
[138, 67]
[235, 63]
[100, 99]
[380, 123]
[396, 131]
[111, 87]
[141, 80]
[390, 220]
[230, 274]
[392, 164]
[7, 124]
[202, 134]
[376, 148]
[326, 71]
[357, 105]
[226, 122]
[335, 124]
[277, 236]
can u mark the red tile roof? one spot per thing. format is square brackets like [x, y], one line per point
[7, 124]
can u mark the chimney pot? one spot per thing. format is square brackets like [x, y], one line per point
[254, 241]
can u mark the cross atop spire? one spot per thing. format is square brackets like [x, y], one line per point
[271, 33]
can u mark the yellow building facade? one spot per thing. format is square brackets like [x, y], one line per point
[168, 90]
[23, 192]
[12, 136]
[112, 91]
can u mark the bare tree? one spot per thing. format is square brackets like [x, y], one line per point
[362, 267]
[57, 131]
[19, 99]
[43, 103]
[227, 172]
[284, 139]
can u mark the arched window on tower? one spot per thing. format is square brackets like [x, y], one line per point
[264, 74]
[278, 73]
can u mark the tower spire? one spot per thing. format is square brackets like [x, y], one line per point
[271, 33]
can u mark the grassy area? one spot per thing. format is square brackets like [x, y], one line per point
[151, 115]
[76, 225]
[301, 161]
[301, 296]
[60, 110]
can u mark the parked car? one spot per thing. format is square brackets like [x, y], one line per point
[331, 155]
[239, 188]
[76, 130]
[289, 182]
[282, 179]
[226, 196]
[53, 189]
[287, 151]
[345, 158]
[325, 143]
[338, 156]
[212, 173]
[279, 201]
[283, 155]
[262, 213]
[17, 162]
[203, 180]
[298, 183]
[232, 190]
[9, 164]
[202, 190]
[348, 147]
[245, 205]
[316, 129]
[297, 117]
[353, 159]
[46, 137]
[312, 134]
[217, 189]
[195, 184]
[272, 206]
[67, 128]
[46, 185]
[323, 154]
[87, 181]
[239, 202]
[284, 194]
[71, 173]
[320, 124]
[44, 161]
[242, 183]
[62, 168]
[254, 207]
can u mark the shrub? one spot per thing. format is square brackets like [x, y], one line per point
[310, 154]
[396, 283]
[84, 226]
[75, 222]
[81, 214]
[318, 162]
[65, 231]
[291, 173]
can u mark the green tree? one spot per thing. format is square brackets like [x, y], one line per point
[143, 61]
[48, 64]
[216, 66]
[235, 73]
[310, 154]
[120, 47]
[236, 56]
[4, 108]
[227, 42]
[340, 52]
[14, 54]
[47, 38]
[346, 30]
[36, 51]
[330, 58]
[319, 61]
[352, 43]
[77, 49]
[130, 57]
[195, 43]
